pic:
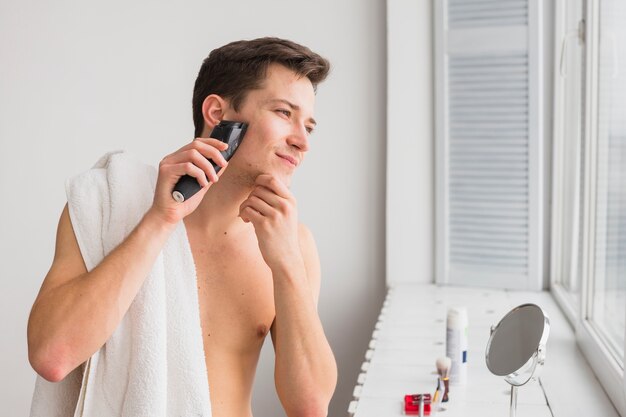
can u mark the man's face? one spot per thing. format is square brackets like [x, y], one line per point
[280, 118]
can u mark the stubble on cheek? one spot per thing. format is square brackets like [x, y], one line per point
[247, 176]
[249, 171]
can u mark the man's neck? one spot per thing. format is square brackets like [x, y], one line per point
[219, 210]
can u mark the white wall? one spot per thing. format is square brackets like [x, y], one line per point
[80, 78]
[410, 148]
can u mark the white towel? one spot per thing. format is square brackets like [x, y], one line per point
[153, 364]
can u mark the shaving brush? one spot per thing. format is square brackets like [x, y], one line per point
[443, 369]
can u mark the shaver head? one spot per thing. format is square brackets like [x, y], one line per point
[230, 133]
[226, 131]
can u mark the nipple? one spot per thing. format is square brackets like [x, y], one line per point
[261, 330]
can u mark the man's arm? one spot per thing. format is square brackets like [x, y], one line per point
[76, 311]
[305, 370]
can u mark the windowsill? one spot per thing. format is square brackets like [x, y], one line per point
[410, 336]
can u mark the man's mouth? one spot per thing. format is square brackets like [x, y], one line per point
[293, 161]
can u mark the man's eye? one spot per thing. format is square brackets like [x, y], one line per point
[285, 112]
[309, 130]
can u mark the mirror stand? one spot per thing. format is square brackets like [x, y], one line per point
[513, 401]
[516, 348]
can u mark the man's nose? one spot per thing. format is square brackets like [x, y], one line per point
[299, 138]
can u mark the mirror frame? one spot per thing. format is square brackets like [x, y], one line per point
[532, 367]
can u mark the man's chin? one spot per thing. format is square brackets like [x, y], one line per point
[248, 179]
[283, 177]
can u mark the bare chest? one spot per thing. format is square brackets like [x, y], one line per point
[235, 294]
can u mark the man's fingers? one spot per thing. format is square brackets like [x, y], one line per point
[199, 160]
[187, 168]
[213, 142]
[274, 185]
[203, 149]
[256, 204]
[266, 195]
[248, 214]
[210, 150]
[201, 142]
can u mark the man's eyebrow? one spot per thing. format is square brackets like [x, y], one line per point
[292, 105]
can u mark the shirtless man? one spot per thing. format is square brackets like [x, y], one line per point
[257, 266]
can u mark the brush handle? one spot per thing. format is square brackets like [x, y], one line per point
[446, 383]
[437, 390]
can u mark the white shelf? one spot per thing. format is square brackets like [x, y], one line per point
[410, 336]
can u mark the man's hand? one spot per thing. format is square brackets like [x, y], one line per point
[191, 160]
[305, 370]
[271, 208]
[96, 301]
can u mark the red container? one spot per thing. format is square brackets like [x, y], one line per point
[412, 404]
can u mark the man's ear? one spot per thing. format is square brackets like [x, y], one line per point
[213, 109]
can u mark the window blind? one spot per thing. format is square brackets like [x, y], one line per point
[488, 132]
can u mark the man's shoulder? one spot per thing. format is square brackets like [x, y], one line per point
[116, 164]
[109, 199]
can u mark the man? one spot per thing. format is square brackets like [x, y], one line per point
[257, 267]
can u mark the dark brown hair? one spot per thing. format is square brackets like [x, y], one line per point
[232, 70]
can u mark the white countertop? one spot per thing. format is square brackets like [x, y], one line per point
[410, 335]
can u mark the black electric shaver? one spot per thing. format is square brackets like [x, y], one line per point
[226, 131]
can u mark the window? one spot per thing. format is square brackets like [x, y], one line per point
[589, 189]
[489, 136]
[568, 154]
[608, 312]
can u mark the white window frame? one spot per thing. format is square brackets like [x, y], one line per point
[609, 371]
[556, 241]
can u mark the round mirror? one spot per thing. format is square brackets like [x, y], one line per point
[517, 344]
